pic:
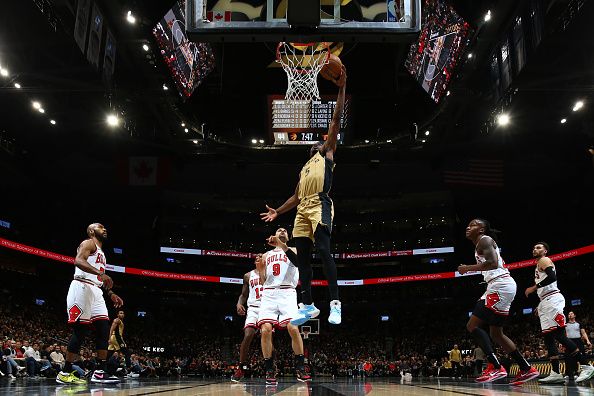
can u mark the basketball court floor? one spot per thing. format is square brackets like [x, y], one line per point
[320, 387]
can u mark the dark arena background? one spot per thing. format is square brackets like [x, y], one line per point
[167, 123]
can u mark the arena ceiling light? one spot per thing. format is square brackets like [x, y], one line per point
[503, 119]
[183, 124]
[195, 141]
[186, 130]
[578, 105]
[488, 16]
[261, 141]
[254, 141]
[53, 122]
[165, 87]
[563, 120]
[112, 120]
[17, 85]
[470, 55]
[4, 72]
[366, 141]
[145, 47]
[36, 105]
[130, 18]
[427, 133]
[41, 110]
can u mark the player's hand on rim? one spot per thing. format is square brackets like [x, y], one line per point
[240, 310]
[117, 300]
[462, 269]
[270, 215]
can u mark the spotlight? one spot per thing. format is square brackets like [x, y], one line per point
[503, 119]
[469, 55]
[130, 18]
[261, 141]
[427, 133]
[254, 141]
[578, 105]
[195, 141]
[563, 120]
[366, 141]
[145, 47]
[36, 105]
[53, 122]
[165, 87]
[41, 110]
[183, 124]
[389, 141]
[423, 141]
[186, 130]
[17, 85]
[112, 120]
[488, 16]
[448, 93]
[4, 72]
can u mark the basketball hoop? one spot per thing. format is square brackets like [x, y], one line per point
[302, 62]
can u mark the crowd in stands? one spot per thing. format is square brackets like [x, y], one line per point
[34, 343]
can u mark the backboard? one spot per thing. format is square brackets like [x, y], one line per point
[265, 21]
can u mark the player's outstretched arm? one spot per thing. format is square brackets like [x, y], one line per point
[329, 146]
[289, 204]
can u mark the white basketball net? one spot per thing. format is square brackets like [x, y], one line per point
[302, 63]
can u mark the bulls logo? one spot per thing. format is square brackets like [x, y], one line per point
[492, 299]
[74, 313]
[560, 320]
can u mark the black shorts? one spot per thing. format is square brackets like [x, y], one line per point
[487, 315]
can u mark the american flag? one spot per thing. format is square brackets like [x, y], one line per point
[474, 172]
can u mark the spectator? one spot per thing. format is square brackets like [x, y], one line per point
[34, 363]
[57, 358]
[479, 359]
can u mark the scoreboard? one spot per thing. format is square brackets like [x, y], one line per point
[304, 122]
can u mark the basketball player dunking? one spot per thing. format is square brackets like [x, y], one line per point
[85, 305]
[315, 210]
[552, 319]
[279, 277]
[251, 293]
[116, 338]
[493, 307]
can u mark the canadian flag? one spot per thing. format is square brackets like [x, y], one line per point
[219, 16]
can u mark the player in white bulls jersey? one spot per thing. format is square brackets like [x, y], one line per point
[279, 276]
[493, 306]
[552, 319]
[85, 305]
[251, 293]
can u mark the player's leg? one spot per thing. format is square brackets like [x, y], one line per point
[477, 320]
[303, 236]
[78, 306]
[100, 320]
[266, 342]
[508, 346]
[322, 241]
[287, 309]
[573, 356]
[244, 349]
